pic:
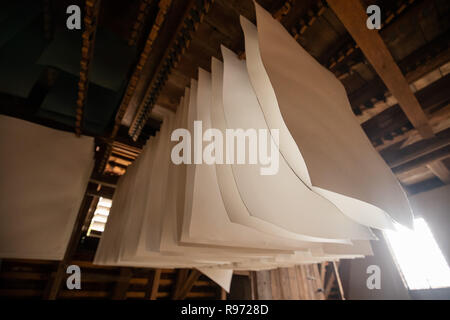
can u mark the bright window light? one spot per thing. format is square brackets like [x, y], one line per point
[418, 256]
[100, 217]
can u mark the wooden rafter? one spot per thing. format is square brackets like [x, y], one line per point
[183, 288]
[351, 48]
[139, 23]
[284, 10]
[151, 292]
[308, 20]
[164, 6]
[121, 288]
[87, 53]
[178, 45]
[338, 280]
[54, 285]
[353, 16]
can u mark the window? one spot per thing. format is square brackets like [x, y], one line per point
[418, 256]
[100, 217]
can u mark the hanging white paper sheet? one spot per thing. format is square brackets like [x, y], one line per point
[315, 109]
[44, 174]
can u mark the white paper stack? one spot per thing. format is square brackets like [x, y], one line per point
[313, 195]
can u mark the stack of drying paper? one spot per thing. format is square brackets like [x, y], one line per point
[317, 189]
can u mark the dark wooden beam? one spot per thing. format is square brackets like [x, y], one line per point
[187, 285]
[100, 191]
[180, 41]
[338, 280]
[151, 291]
[87, 52]
[396, 155]
[353, 16]
[394, 118]
[440, 170]
[429, 158]
[55, 282]
[423, 186]
[180, 279]
[121, 288]
[135, 77]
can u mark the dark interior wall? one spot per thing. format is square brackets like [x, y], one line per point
[435, 294]
[240, 288]
[392, 286]
[434, 207]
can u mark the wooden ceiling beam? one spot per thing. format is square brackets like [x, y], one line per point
[423, 186]
[426, 159]
[393, 118]
[187, 285]
[440, 170]
[353, 17]
[54, 284]
[397, 156]
[180, 41]
[122, 284]
[416, 65]
[87, 53]
[132, 84]
[153, 285]
[349, 49]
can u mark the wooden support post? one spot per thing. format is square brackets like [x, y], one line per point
[263, 286]
[187, 285]
[329, 285]
[153, 285]
[120, 291]
[338, 280]
[87, 53]
[440, 170]
[323, 272]
[54, 284]
[181, 278]
[253, 285]
[223, 294]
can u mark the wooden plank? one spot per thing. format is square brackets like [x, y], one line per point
[338, 280]
[188, 284]
[323, 272]
[92, 8]
[181, 278]
[263, 285]
[140, 111]
[353, 16]
[310, 281]
[121, 288]
[241, 273]
[285, 285]
[223, 294]
[329, 285]
[302, 283]
[295, 290]
[318, 283]
[136, 76]
[153, 285]
[253, 286]
[275, 284]
[423, 160]
[398, 155]
[440, 170]
[54, 284]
